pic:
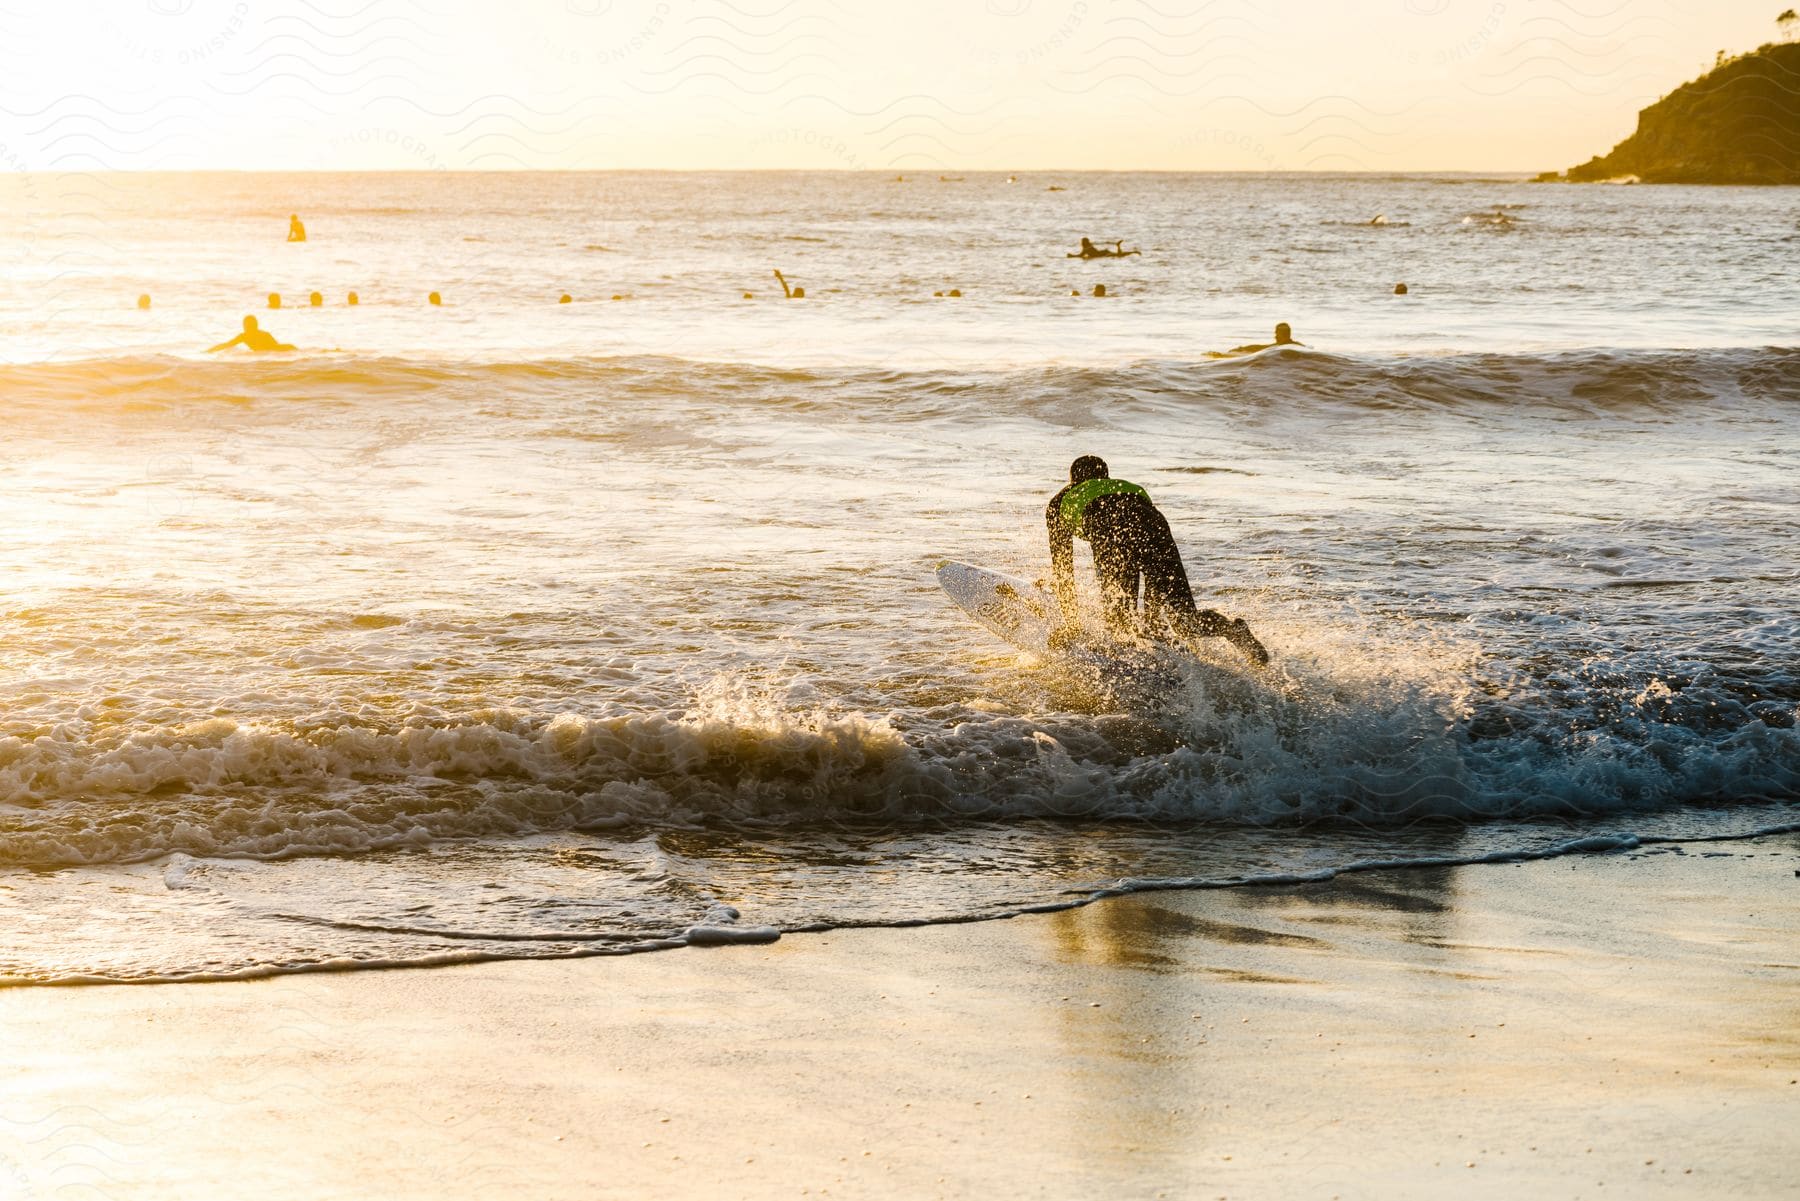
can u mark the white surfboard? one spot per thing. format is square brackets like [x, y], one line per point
[1019, 611]
[1023, 612]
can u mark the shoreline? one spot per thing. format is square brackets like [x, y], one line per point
[1569, 1026]
[707, 936]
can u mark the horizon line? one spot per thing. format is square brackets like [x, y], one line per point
[926, 174]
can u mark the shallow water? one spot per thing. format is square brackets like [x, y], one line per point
[518, 629]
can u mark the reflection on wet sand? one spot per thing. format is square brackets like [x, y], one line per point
[1139, 1042]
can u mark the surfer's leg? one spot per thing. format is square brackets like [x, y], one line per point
[1191, 624]
[1118, 577]
[1202, 623]
[1239, 635]
[1196, 624]
[1168, 594]
[1175, 604]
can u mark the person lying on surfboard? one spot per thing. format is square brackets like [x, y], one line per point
[1131, 540]
[1284, 336]
[253, 337]
[1090, 251]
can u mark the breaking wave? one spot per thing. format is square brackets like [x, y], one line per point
[1334, 735]
[1588, 381]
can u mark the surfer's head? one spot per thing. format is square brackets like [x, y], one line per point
[1087, 467]
[1283, 334]
[249, 325]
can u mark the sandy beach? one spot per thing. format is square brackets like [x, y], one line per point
[1623, 1024]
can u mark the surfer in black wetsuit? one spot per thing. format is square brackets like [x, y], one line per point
[1090, 251]
[1284, 336]
[253, 337]
[1131, 541]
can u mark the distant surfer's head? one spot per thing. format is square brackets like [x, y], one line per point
[1283, 334]
[1087, 467]
[1399, 289]
[249, 325]
[315, 300]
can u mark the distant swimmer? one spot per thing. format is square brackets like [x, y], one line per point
[1400, 289]
[1090, 251]
[315, 300]
[1284, 336]
[565, 298]
[1132, 544]
[296, 231]
[434, 298]
[274, 300]
[790, 293]
[1100, 291]
[254, 338]
[144, 301]
[352, 299]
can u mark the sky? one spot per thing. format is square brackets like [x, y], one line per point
[924, 86]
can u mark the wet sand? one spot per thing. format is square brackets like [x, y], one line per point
[1622, 1025]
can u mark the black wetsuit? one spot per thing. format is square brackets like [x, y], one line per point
[1132, 545]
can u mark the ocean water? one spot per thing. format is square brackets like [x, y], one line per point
[505, 628]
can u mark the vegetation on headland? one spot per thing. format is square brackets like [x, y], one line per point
[1737, 124]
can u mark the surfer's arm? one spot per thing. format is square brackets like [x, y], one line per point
[237, 341]
[1062, 562]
